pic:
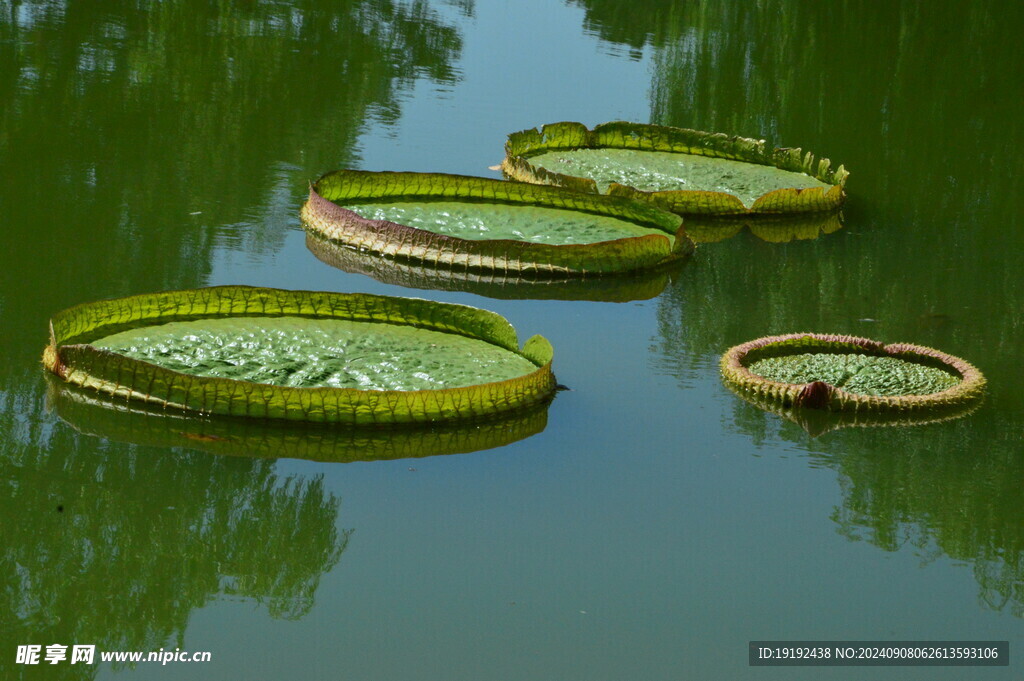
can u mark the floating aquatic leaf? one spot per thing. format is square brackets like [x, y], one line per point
[846, 373]
[451, 222]
[687, 171]
[314, 356]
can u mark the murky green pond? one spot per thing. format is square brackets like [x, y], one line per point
[658, 523]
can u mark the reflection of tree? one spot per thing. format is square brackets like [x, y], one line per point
[117, 549]
[929, 147]
[621, 23]
[946, 489]
[802, 69]
[930, 194]
[939, 496]
[940, 489]
[120, 120]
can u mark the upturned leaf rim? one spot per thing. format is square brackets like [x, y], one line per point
[521, 146]
[821, 395]
[70, 356]
[324, 214]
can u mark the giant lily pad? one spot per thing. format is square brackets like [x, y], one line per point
[301, 355]
[452, 222]
[145, 424]
[845, 373]
[625, 287]
[686, 171]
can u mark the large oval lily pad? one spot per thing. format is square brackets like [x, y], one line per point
[689, 172]
[453, 222]
[300, 355]
[145, 424]
[846, 373]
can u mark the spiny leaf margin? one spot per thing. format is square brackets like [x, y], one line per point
[522, 145]
[107, 372]
[324, 214]
[821, 395]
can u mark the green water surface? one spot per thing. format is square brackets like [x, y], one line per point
[536, 224]
[656, 523]
[653, 171]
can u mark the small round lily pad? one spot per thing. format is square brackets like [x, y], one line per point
[689, 172]
[849, 374]
[301, 355]
[459, 223]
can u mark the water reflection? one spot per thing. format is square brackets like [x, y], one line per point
[937, 497]
[117, 548]
[618, 288]
[935, 490]
[171, 122]
[817, 422]
[773, 229]
[924, 257]
[97, 415]
[135, 140]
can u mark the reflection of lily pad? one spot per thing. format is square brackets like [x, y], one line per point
[628, 286]
[845, 373]
[818, 421]
[777, 229]
[451, 222]
[301, 355]
[140, 423]
[686, 171]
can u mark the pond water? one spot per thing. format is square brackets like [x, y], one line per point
[657, 524]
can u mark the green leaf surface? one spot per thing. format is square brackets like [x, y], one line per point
[856, 373]
[560, 244]
[72, 356]
[655, 171]
[686, 171]
[308, 353]
[481, 221]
